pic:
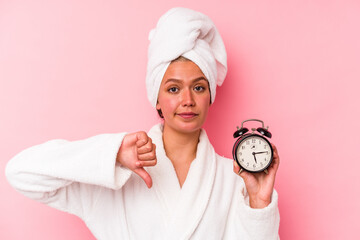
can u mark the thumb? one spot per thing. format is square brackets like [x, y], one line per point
[144, 175]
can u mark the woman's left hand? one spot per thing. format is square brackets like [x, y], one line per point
[260, 185]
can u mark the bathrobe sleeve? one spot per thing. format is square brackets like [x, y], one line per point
[69, 175]
[253, 223]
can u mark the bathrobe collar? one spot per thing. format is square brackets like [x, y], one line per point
[183, 207]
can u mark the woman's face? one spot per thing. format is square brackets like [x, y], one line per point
[184, 97]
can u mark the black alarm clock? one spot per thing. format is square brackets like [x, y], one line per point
[252, 151]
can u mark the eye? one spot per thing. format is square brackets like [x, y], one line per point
[199, 88]
[173, 90]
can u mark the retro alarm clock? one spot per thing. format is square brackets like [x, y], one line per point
[252, 151]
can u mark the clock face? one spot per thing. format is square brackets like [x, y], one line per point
[254, 153]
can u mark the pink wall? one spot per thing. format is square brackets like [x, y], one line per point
[73, 69]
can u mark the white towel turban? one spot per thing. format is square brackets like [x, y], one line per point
[185, 32]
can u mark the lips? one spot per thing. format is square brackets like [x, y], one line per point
[187, 115]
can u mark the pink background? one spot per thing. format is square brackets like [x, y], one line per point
[73, 69]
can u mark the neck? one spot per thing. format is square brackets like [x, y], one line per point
[180, 147]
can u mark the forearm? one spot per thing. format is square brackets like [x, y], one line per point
[55, 164]
[248, 222]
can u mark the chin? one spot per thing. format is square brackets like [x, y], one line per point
[187, 127]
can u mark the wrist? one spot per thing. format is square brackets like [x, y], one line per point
[119, 156]
[255, 202]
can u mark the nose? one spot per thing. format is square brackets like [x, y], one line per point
[188, 98]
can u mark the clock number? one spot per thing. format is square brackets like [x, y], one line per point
[247, 142]
[242, 159]
[265, 146]
[254, 165]
[259, 141]
[247, 164]
[242, 147]
[261, 164]
[253, 141]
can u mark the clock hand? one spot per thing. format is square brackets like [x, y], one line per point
[254, 156]
[259, 152]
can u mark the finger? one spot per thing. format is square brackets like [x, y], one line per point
[247, 175]
[144, 175]
[148, 147]
[142, 139]
[129, 139]
[275, 163]
[276, 155]
[241, 173]
[148, 163]
[236, 167]
[147, 156]
[275, 149]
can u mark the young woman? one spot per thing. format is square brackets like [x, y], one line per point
[168, 183]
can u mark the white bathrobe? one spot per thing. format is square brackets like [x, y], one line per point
[83, 178]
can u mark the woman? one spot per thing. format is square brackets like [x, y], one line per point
[188, 192]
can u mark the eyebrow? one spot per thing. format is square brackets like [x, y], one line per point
[178, 80]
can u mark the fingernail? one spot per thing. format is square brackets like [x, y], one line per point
[138, 164]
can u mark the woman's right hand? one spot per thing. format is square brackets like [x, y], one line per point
[138, 151]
